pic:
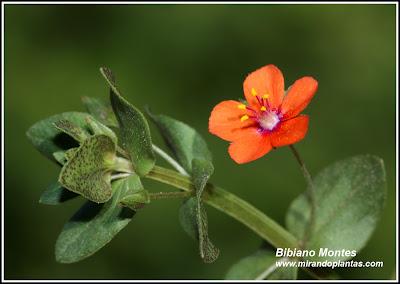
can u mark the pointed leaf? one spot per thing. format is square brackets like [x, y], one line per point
[350, 196]
[48, 139]
[202, 170]
[56, 194]
[95, 225]
[134, 130]
[88, 172]
[208, 251]
[100, 110]
[193, 219]
[193, 216]
[193, 155]
[261, 265]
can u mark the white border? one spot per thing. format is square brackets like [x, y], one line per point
[197, 3]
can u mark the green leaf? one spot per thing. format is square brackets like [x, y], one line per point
[208, 251]
[95, 225]
[100, 110]
[188, 217]
[193, 219]
[201, 171]
[56, 194]
[261, 265]
[71, 129]
[48, 139]
[88, 172]
[136, 200]
[134, 130]
[192, 153]
[192, 214]
[350, 196]
[184, 142]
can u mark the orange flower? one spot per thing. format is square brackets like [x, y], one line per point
[270, 118]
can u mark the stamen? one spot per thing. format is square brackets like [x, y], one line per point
[244, 117]
[263, 108]
[260, 101]
[253, 92]
[241, 106]
[252, 110]
[266, 101]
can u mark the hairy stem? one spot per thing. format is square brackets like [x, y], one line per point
[310, 192]
[168, 195]
[231, 205]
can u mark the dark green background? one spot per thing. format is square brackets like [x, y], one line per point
[181, 60]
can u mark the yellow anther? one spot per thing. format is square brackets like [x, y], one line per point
[244, 117]
[253, 92]
[241, 106]
[266, 96]
[263, 108]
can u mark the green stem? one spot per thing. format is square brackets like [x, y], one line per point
[231, 205]
[310, 192]
[168, 195]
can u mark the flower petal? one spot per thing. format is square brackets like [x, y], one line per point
[225, 122]
[290, 131]
[251, 146]
[298, 96]
[267, 80]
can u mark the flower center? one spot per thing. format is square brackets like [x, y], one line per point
[268, 120]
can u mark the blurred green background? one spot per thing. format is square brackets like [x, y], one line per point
[181, 60]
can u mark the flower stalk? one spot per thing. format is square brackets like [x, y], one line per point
[310, 192]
